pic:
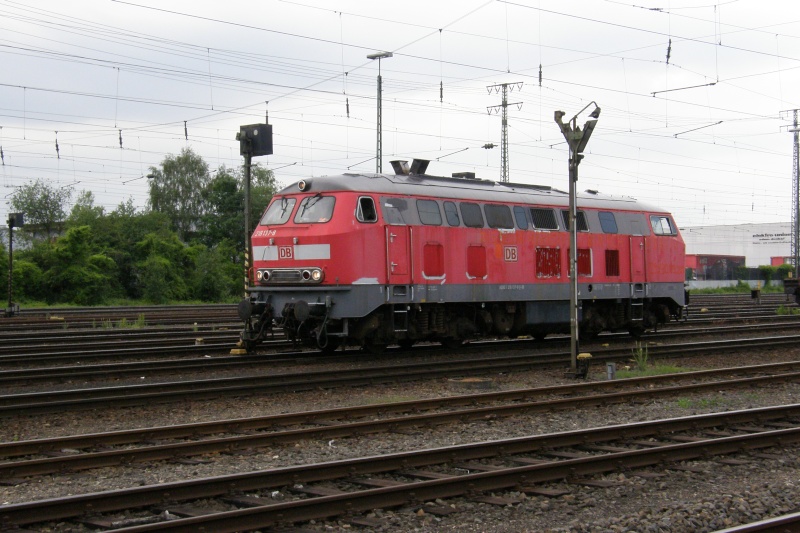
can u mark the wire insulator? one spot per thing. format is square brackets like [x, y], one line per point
[120, 138]
[185, 131]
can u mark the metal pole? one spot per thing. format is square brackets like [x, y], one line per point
[248, 157]
[573, 255]
[795, 240]
[10, 264]
[379, 154]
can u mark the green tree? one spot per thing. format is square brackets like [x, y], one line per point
[768, 273]
[176, 190]
[263, 189]
[44, 207]
[164, 265]
[84, 212]
[80, 274]
[223, 219]
[28, 281]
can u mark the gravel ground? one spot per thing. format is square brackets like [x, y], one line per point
[719, 496]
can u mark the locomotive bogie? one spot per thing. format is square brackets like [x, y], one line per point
[373, 260]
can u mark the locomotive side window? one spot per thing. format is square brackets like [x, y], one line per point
[612, 262]
[548, 262]
[279, 212]
[608, 222]
[451, 212]
[519, 216]
[471, 213]
[582, 224]
[662, 225]
[365, 212]
[429, 213]
[315, 209]
[544, 218]
[393, 211]
[498, 216]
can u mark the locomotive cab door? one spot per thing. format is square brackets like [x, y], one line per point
[398, 254]
[638, 271]
[638, 278]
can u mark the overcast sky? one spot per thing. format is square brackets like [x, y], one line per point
[696, 96]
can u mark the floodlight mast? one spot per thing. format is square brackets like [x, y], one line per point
[379, 135]
[577, 140]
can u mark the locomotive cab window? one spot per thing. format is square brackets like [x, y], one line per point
[582, 224]
[519, 216]
[662, 225]
[279, 212]
[429, 213]
[366, 212]
[471, 213]
[315, 209]
[544, 218]
[451, 212]
[608, 222]
[498, 216]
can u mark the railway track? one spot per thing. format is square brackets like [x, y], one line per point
[74, 354]
[89, 398]
[288, 495]
[86, 353]
[31, 458]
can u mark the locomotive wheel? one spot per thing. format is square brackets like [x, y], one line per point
[406, 344]
[333, 344]
[451, 343]
[539, 335]
[636, 332]
[375, 348]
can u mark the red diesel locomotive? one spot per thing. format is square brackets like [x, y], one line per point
[378, 259]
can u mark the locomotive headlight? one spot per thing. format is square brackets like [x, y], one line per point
[259, 275]
[264, 275]
[316, 275]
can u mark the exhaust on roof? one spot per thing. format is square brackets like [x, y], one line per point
[419, 166]
[400, 167]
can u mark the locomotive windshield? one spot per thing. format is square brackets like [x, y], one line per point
[279, 212]
[315, 209]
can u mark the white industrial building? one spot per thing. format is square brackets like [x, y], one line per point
[760, 244]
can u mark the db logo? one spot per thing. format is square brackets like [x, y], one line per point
[285, 252]
[510, 253]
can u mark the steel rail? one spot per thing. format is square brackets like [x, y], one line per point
[455, 485]
[86, 398]
[346, 427]
[789, 523]
[151, 340]
[152, 367]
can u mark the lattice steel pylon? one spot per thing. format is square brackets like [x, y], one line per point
[795, 194]
[503, 88]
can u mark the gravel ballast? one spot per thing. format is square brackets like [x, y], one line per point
[714, 497]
